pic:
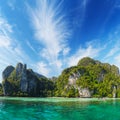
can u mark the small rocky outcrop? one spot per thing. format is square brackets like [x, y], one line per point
[114, 91]
[84, 92]
[72, 78]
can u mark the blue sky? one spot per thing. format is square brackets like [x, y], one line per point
[51, 35]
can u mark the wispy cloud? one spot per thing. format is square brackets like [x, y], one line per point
[31, 46]
[11, 4]
[80, 9]
[11, 51]
[43, 68]
[5, 42]
[113, 50]
[90, 51]
[117, 60]
[50, 29]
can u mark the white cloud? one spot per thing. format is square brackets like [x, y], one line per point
[30, 46]
[66, 51]
[117, 60]
[51, 30]
[80, 11]
[83, 52]
[113, 44]
[10, 50]
[112, 48]
[42, 68]
[4, 41]
[113, 51]
[5, 30]
[11, 4]
[113, 56]
[5, 27]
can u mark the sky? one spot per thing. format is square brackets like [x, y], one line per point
[51, 35]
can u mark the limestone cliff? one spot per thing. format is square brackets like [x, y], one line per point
[82, 92]
[20, 81]
[90, 78]
[7, 72]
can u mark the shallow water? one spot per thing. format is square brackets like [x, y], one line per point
[59, 109]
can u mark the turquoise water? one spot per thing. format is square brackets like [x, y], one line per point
[59, 109]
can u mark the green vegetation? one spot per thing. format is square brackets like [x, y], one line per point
[99, 78]
[36, 86]
[90, 78]
[46, 88]
[1, 90]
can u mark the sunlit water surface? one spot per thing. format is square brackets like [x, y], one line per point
[59, 109]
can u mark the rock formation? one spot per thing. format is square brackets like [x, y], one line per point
[20, 81]
[7, 72]
[83, 92]
[90, 78]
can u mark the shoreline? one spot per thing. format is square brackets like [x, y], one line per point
[56, 99]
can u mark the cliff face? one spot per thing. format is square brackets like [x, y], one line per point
[82, 92]
[7, 72]
[90, 78]
[20, 81]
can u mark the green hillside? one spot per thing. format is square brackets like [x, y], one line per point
[89, 77]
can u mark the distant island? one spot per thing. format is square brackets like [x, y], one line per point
[89, 78]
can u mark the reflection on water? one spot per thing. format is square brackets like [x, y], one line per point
[64, 110]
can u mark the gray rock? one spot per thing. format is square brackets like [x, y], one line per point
[32, 83]
[84, 92]
[72, 78]
[114, 91]
[19, 69]
[28, 79]
[7, 88]
[23, 79]
[6, 73]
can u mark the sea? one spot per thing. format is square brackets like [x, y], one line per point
[23, 108]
